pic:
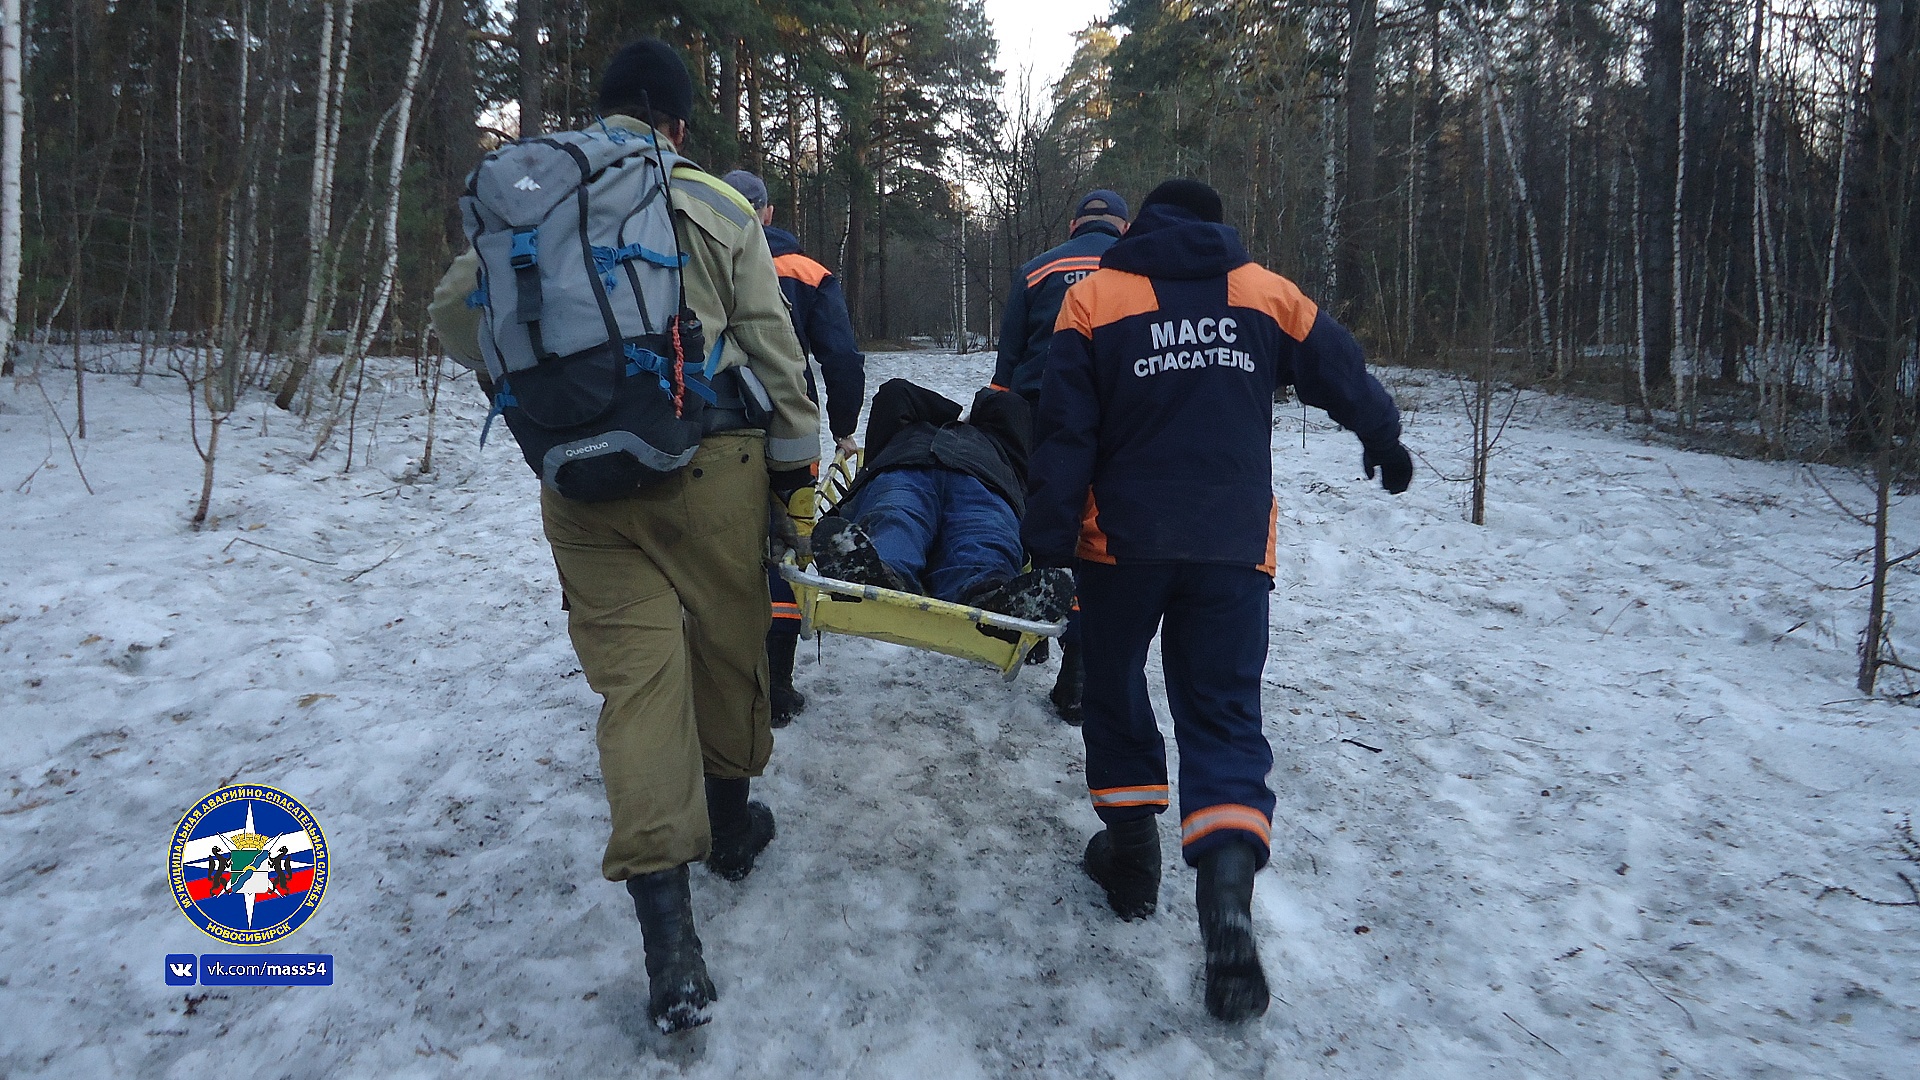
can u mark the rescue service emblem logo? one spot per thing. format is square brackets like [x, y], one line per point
[249, 864]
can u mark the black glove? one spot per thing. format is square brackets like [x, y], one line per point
[792, 498]
[1394, 463]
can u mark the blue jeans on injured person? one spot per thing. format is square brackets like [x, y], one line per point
[942, 530]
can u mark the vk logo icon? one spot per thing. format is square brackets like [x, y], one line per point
[181, 968]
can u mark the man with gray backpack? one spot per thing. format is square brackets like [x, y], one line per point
[621, 309]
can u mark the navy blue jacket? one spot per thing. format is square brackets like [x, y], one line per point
[1026, 328]
[1153, 442]
[820, 319]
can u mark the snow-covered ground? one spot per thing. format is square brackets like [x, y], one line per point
[1557, 797]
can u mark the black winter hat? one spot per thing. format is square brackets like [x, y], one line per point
[647, 74]
[1188, 195]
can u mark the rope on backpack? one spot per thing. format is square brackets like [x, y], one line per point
[679, 372]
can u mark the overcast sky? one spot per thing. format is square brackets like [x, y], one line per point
[1038, 34]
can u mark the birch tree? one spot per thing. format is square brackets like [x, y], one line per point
[329, 107]
[369, 325]
[12, 123]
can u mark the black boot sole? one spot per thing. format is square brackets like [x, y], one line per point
[843, 551]
[1044, 595]
[1236, 985]
[685, 1005]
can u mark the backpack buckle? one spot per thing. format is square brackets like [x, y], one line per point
[525, 252]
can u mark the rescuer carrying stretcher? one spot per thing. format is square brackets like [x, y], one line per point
[1152, 474]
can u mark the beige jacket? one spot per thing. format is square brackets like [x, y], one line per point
[730, 284]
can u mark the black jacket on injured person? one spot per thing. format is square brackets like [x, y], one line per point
[911, 426]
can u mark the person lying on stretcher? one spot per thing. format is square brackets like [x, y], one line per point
[937, 508]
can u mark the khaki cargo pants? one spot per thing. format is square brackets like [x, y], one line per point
[667, 594]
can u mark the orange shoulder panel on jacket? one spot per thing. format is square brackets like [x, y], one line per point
[1105, 297]
[801, 269]
[1254, 286]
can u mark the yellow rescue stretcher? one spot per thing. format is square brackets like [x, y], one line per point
[903, 618]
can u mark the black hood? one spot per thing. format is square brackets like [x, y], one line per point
[781, 242]
[1170, 242]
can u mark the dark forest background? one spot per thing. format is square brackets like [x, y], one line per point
[1700, 208]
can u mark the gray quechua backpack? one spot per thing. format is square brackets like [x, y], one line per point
[596, 363]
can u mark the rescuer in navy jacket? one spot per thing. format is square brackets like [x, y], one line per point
[1026, 329]
[1153, 468]
[820, 320]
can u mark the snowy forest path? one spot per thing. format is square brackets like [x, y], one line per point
[1564, 788]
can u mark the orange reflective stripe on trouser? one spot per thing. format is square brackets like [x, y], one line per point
[1140, 795]
[1212, 819]
[786, 611]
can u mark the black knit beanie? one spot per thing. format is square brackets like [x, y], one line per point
[1192, 195]
[647, 74]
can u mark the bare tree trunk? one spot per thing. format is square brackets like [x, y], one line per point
[1762, 308]
[966, 343]
[1642, 338]
[1563, 344]
[390, 229]
[215, 422]
[527, 19]
[180, 163]
[12, 119]
[1659, 165]
[329, 91]
[1877, 317]
[1329, 206]
[430, 379]
[1357, 209]
[1830, 351]
[729, 104]
[793, 102]
[1491, 92]
[1872, 639]
[756, 114]
[1676, 349]
[78, 290]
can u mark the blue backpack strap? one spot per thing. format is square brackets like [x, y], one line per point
[646, 360]
[502, 399]
[607, 260]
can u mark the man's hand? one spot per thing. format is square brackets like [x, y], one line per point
[1394, 463]
[794, 500]
[847, 446]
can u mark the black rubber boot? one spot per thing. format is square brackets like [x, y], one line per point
[678, 989]
[1124, 859]
[1068, 687]
[1236, 986]
[741, 829]
[843, 551]
[787, 702]
[1043, 595]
